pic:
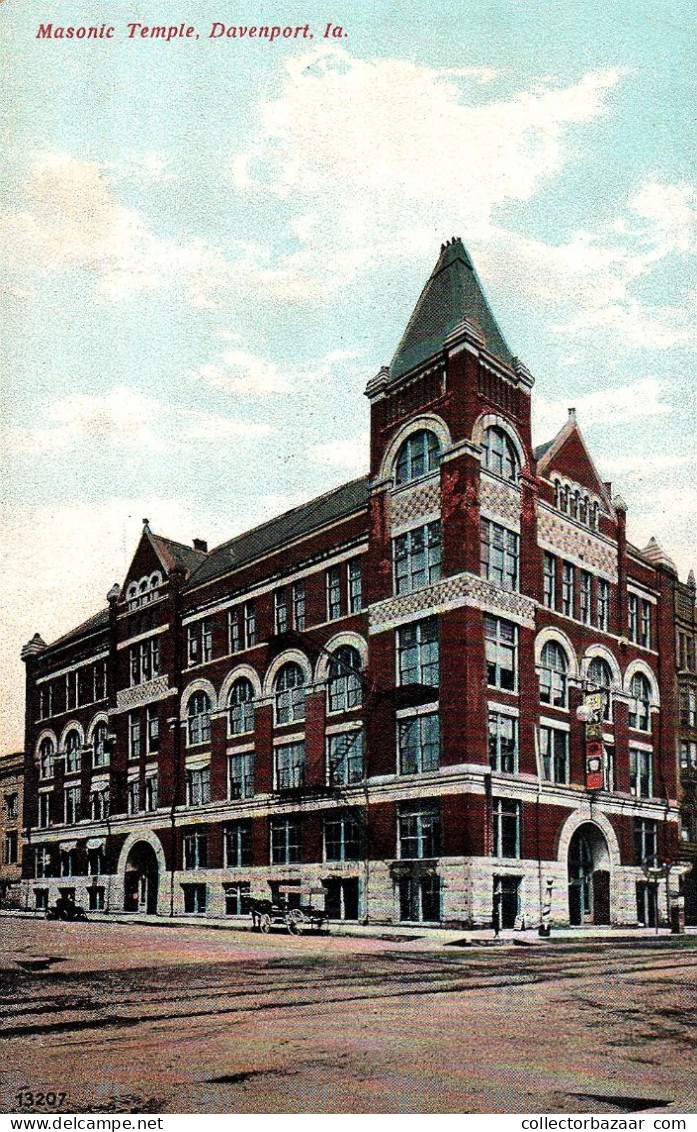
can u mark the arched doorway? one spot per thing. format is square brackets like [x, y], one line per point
[141, 879]
[589, 876]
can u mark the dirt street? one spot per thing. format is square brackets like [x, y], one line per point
[138, 1018]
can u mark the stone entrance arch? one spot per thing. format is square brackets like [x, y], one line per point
[141, 867]
[588, 866]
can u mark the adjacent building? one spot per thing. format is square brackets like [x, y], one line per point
[11, 806]
[444, 692]
[686, 668]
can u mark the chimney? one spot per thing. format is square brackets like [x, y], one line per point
[572, 416]
[201, 544]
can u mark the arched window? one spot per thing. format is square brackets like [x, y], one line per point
[289, 694]
[553, 686]
[583, 510]
[100, 754]
[418, 456]
[500, 456]
[600, 680]
[640, 703]
[46, 758]
[199, 719]
[72, 751]
[345, 679]
[241, 707]
[563, 498]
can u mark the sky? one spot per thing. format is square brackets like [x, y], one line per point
[208, 246]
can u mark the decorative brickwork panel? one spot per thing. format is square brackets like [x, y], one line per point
[142, 693]
[462, 589]
[501, 500]
[411, 503]
[567, 539]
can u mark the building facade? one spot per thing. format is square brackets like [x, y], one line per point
[444, 691]
[11, 807]
[686, 668]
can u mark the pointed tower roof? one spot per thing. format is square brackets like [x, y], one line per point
[452, 294]
[657, 555]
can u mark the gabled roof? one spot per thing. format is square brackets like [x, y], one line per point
[568, 455]
[452, 293]
[173, 554]
[92, 624]
[303, 520]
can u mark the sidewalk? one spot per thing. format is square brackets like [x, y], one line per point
[411, 933]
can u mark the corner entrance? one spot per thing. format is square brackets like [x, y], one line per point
[589, 876]
[141, 880]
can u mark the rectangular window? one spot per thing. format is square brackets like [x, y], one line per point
[419, 744]
[640, 773]
[602, 598]
[11, 805]
[240, 780]
[345, 758]
[135, 741]
[586, 597]
[418, 653]
[134, 796]
[195, 850]
[549, 580]
[41, 899]
[68, 863]
[71, 690]
[237, 898]
[280, 603]
[567, 589]
[501, 646]
[499, 557]
[554, 753]
[688, 707]
[355, 585]
[194, 897]
[151, 798]
[45, 808]
[250, 625]
[95, 895]
[11, 843]
[417, 558]
[299, 606]
[289, 766]
[333, 593]
[645, 841]
[688, 755]
[42, 862]
[206, 640]
[419, 899]
[503, 742]
[233, 630]
[99, 805]
[46, 701]
[419, 830]
[238, 844]
[95, 862]
[72, 804]
[100, 680]
[645, 625]
[506, 827]
[633, 626]
[285, 841]
[153, 725]
[342, 837]
[193, 644]
[198, 786]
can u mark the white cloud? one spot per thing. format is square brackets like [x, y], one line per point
[351, 455]
[636, 400]
[126, 418]
[73, 221]
[244, 374]
[417, 149]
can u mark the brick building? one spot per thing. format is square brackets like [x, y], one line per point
[445, 687]
[11, 804]
[686, 667]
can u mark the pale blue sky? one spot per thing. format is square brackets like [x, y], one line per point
[208, 247]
